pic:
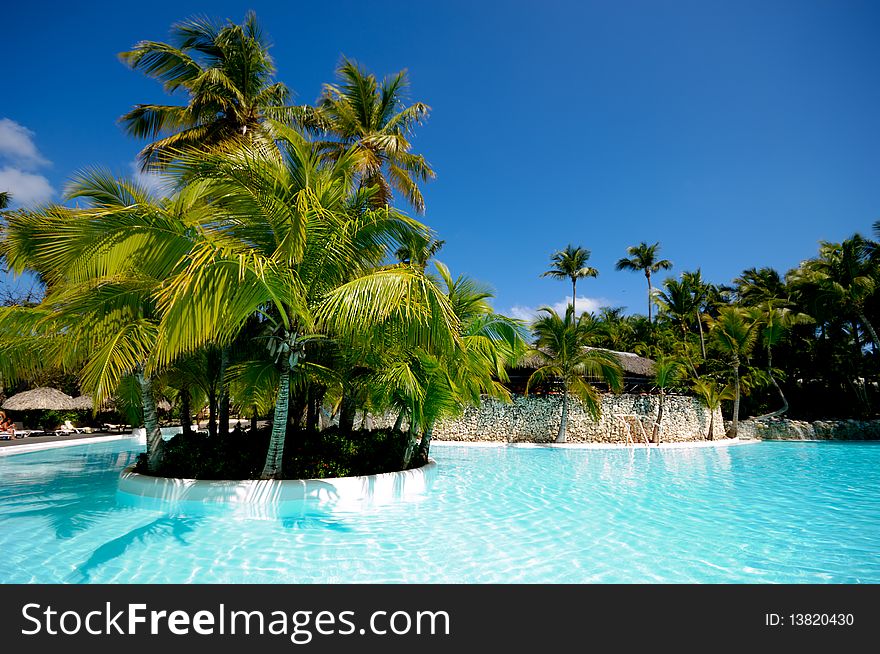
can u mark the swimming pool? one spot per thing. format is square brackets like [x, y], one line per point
[769, 512]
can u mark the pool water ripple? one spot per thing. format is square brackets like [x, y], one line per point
[772, 512]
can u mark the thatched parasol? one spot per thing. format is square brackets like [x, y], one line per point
[39, 399]
[82, 403]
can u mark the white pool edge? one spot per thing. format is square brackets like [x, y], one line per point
[24, 448]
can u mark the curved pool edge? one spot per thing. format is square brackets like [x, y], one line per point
[270, 498]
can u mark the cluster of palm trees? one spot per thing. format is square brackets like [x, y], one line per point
[264, 280]
[807, 335]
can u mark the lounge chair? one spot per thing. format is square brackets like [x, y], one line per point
[69, 428]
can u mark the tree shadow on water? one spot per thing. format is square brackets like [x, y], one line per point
[157, 530]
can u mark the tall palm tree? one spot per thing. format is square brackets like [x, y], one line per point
[643, 257]
[571, 263]
[226, 73]
[292, 241]
[562, 343]
[734, 334]
[373, 120]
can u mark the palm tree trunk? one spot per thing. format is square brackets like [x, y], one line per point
[272, 467]
[185, 412]
[574, 296]
[867, 323]
[212, 411]
[655, 435]
[398, 424]
[223, 424]
[784, 408]
[155, 444]
[347, 414]
[410, 447]
[650, 292]
[711, 435]
[563, 423]
[254, 419]
[312, 409]
[702, 337]
[425, 445]
[734, 425]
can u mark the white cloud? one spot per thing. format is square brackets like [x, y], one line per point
[20, 158]
[17, 146]
[25, 188]
[158, 185]
[588, 304]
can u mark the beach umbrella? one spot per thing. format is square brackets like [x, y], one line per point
[86, 403]
[39, 399]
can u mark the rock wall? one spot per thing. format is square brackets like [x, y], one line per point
[536, 419]
[798, 430]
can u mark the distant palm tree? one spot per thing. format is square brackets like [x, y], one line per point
[226, 73]
[571, 263]
[734, 333]
[562, 344]
[711, 396]
[842, 278]
[5, 199]
[667, 373]
[373, 120]
[417, 249]
[643, 257]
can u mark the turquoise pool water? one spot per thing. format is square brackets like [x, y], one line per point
[770, 512]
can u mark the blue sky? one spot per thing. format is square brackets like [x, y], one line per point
[736, 133]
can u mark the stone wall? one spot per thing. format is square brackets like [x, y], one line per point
[536, 419]
[799, 430]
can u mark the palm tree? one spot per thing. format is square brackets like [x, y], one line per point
[372, 120]
[5, 199]
[292, 241]
[842, 277]
[102, 265]
[776, 319]
[226, 73]
[563, 346]
[711, 396]
[734, 334]
[643, 257]
[418, 249]
[571, 263]
[667, 373]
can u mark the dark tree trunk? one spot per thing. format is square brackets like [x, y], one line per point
[212, 412]
[425, 445]
[254, 420]
[185, 411]
[650, 293]
[347, 414]
[223, 425]
[398, 424]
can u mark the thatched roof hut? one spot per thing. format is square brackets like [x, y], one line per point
[632, 364]
[39, 399]
[638, 372]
